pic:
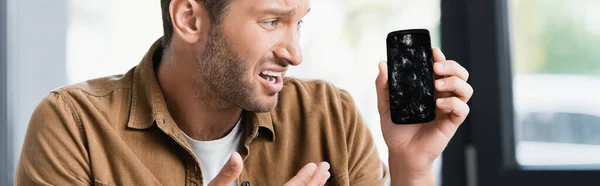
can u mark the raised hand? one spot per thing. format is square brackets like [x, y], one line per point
[413, 148]
[310, 175]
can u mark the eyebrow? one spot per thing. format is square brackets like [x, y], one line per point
[281, 12]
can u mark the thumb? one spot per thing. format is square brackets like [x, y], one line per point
[381, 84]
[230, 171]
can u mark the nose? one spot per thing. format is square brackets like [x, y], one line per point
[289, 48]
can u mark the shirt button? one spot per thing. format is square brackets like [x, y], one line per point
[246, 183]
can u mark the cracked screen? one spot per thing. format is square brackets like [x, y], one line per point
[410, 77]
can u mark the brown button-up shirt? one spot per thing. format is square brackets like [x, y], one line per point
[117, 131]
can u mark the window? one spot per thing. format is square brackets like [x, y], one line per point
[534, 115]
[556, 77]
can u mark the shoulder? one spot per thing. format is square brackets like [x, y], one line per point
[312, 93]
[93, 100]
[316, 89]
[314, 101]
[97, 87]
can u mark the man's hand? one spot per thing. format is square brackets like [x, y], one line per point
[413, 148]
[310, 175]
[230, 171]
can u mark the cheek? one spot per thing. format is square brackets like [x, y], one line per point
[256, 43]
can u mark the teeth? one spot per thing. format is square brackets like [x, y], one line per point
[271, 73]
[271, 76]
[271, 79]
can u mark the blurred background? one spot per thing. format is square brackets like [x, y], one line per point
[550, 49]
[556, 84]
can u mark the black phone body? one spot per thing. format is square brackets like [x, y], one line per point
[410, 76]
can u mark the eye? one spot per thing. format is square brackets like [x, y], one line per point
[300, 24]
[271, 23]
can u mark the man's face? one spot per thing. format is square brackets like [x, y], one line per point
[248, 54]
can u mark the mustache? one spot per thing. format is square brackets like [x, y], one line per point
[275, 60]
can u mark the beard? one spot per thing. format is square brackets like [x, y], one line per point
[223, 70]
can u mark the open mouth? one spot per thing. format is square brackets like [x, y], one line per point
[271, 77]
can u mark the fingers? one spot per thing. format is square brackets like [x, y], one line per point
[304, 175]
[230, 171]
[450, 68]
[438, 55]
[321, 175]
[457, 107]
[311, 174]
[455, 85]
[381, 84]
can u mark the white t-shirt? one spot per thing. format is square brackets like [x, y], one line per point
[212, 155]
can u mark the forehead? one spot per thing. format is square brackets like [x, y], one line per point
[287, 3]
[258, 5]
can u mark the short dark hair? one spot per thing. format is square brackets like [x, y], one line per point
[216, 12]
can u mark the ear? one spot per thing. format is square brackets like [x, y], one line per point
[188, 18]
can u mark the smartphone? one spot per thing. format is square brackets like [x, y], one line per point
[410, 76]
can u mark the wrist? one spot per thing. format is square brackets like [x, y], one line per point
[402, 174]
[423, 180]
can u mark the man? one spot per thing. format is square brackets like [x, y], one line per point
[209, 105]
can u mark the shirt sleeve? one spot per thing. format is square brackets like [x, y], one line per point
[365, 167]
[54, 150]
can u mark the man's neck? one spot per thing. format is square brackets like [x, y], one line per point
[199, 113]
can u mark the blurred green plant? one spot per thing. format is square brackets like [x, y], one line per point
[553, 37]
